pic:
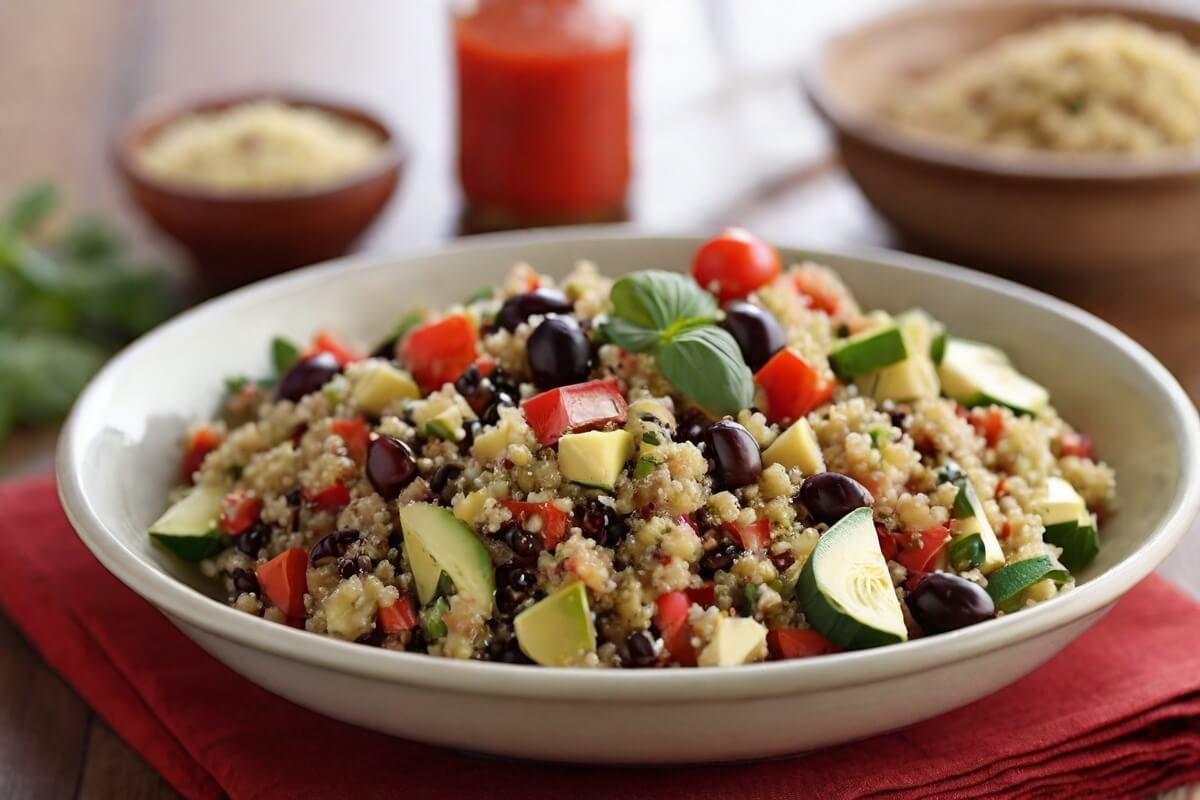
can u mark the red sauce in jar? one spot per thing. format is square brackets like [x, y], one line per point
[543, 112]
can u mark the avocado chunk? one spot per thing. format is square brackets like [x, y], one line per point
[191, 529]
[970, 522]
[448, 425]
[845, 587]
[797, 447]
[868, 351]
[595, 458]
[916, 377]
[979, 375]
[380, 385]
[426, 572]
[736, 640]
[558, 629]
[452, 548]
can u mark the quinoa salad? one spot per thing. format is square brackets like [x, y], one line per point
[663, 469]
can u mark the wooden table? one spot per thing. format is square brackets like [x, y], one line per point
[723, 136]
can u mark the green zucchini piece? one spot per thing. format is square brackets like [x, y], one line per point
[431, 620]
[970, 519]
[980, 375]
[1007, 584]
[868, 351]
[1079, 541]
[966, 551]
[846, 590]
[191, 529]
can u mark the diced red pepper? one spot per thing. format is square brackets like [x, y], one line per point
[239, 510]
[887, 544]
[917, 559]
[554, 519]
[793, 387]
[284, 581]
[575, 408]
[703, 596]
[989, 424]
[1075, 444]
[787, 643]
[819, 292]
[438, 352]
[327, 342]
[202, 442]
[331, 498]
[398, 617]
[672, 622]
[356, 435]
[755, 537]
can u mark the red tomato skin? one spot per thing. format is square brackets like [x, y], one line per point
[201, 443]
[284, 581]
[703, 596]
[785, 643]
[554, 519]
[330, 498]
[355, 434]
[574, 408]
[755, 537]
[932, 540]
[239, 511]
[672, 622]
[818, 295]
[1076, 444]
[734, 264]
[438, 352]
[327, 341]
[397, 617]
[793, 386]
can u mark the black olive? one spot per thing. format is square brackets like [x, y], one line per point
[307, 376]
[521, 307]
[735, 453]
[756, 331]
[559, 353]
[391, 466]
[944, 602]
[829, 496]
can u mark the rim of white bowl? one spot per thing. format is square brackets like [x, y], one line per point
[720, 684]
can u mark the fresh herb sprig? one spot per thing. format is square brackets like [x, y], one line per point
[66, 303]
[667, 315]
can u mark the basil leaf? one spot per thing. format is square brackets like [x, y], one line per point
[631, 337]
[657, 299]
[284, 354]
[706, 365]
[32, 206]
[42, 373]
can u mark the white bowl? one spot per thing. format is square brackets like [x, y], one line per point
[120, 451]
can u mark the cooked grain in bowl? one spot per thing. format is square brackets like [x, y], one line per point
[1081, 85]
[654, 471]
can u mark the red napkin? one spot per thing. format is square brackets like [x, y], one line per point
[1116, 714]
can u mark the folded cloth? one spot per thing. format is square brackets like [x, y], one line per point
[1116, 714]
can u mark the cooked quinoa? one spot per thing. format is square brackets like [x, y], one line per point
[1080, 85]
[258, 146]
[696, 552]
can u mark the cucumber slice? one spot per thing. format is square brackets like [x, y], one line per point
[1007, 584]
[966, 551]
[979, 375]
[454, 549]
[191, 529]
[846, 590]
[426, 573]
[1079, 541]
[971, 521]
[431, 620]
[868, 351]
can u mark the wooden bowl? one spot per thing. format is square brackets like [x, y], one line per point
[1038, 215]
[238, 238]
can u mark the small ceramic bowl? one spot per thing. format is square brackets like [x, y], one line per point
[238, 238]
[1038, 216]
[122, 445]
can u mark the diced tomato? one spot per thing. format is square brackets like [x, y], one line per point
[915, 558]
[1075, 444]
[574, 408]
[356, 435]
[887, 544]
[914, 579]
[1005, 530]
[793, 386]
[554, 519]
[327, 342]
[331, 498]
[686, 519]
[754, 537]
[672, 622]
[284, 582]
[533, 281]
[486, 366]
[202, 442]
[820, 293]
[989, 424]
[398, 617]
[1000, 487]
[239, 510]
[438, 352]
[703, 596]
[798, 643]
[734, 264]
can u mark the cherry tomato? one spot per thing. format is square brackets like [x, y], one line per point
[734, 264]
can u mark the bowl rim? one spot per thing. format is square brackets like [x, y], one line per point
[159, 111]
[184, 605]
[879, 131]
